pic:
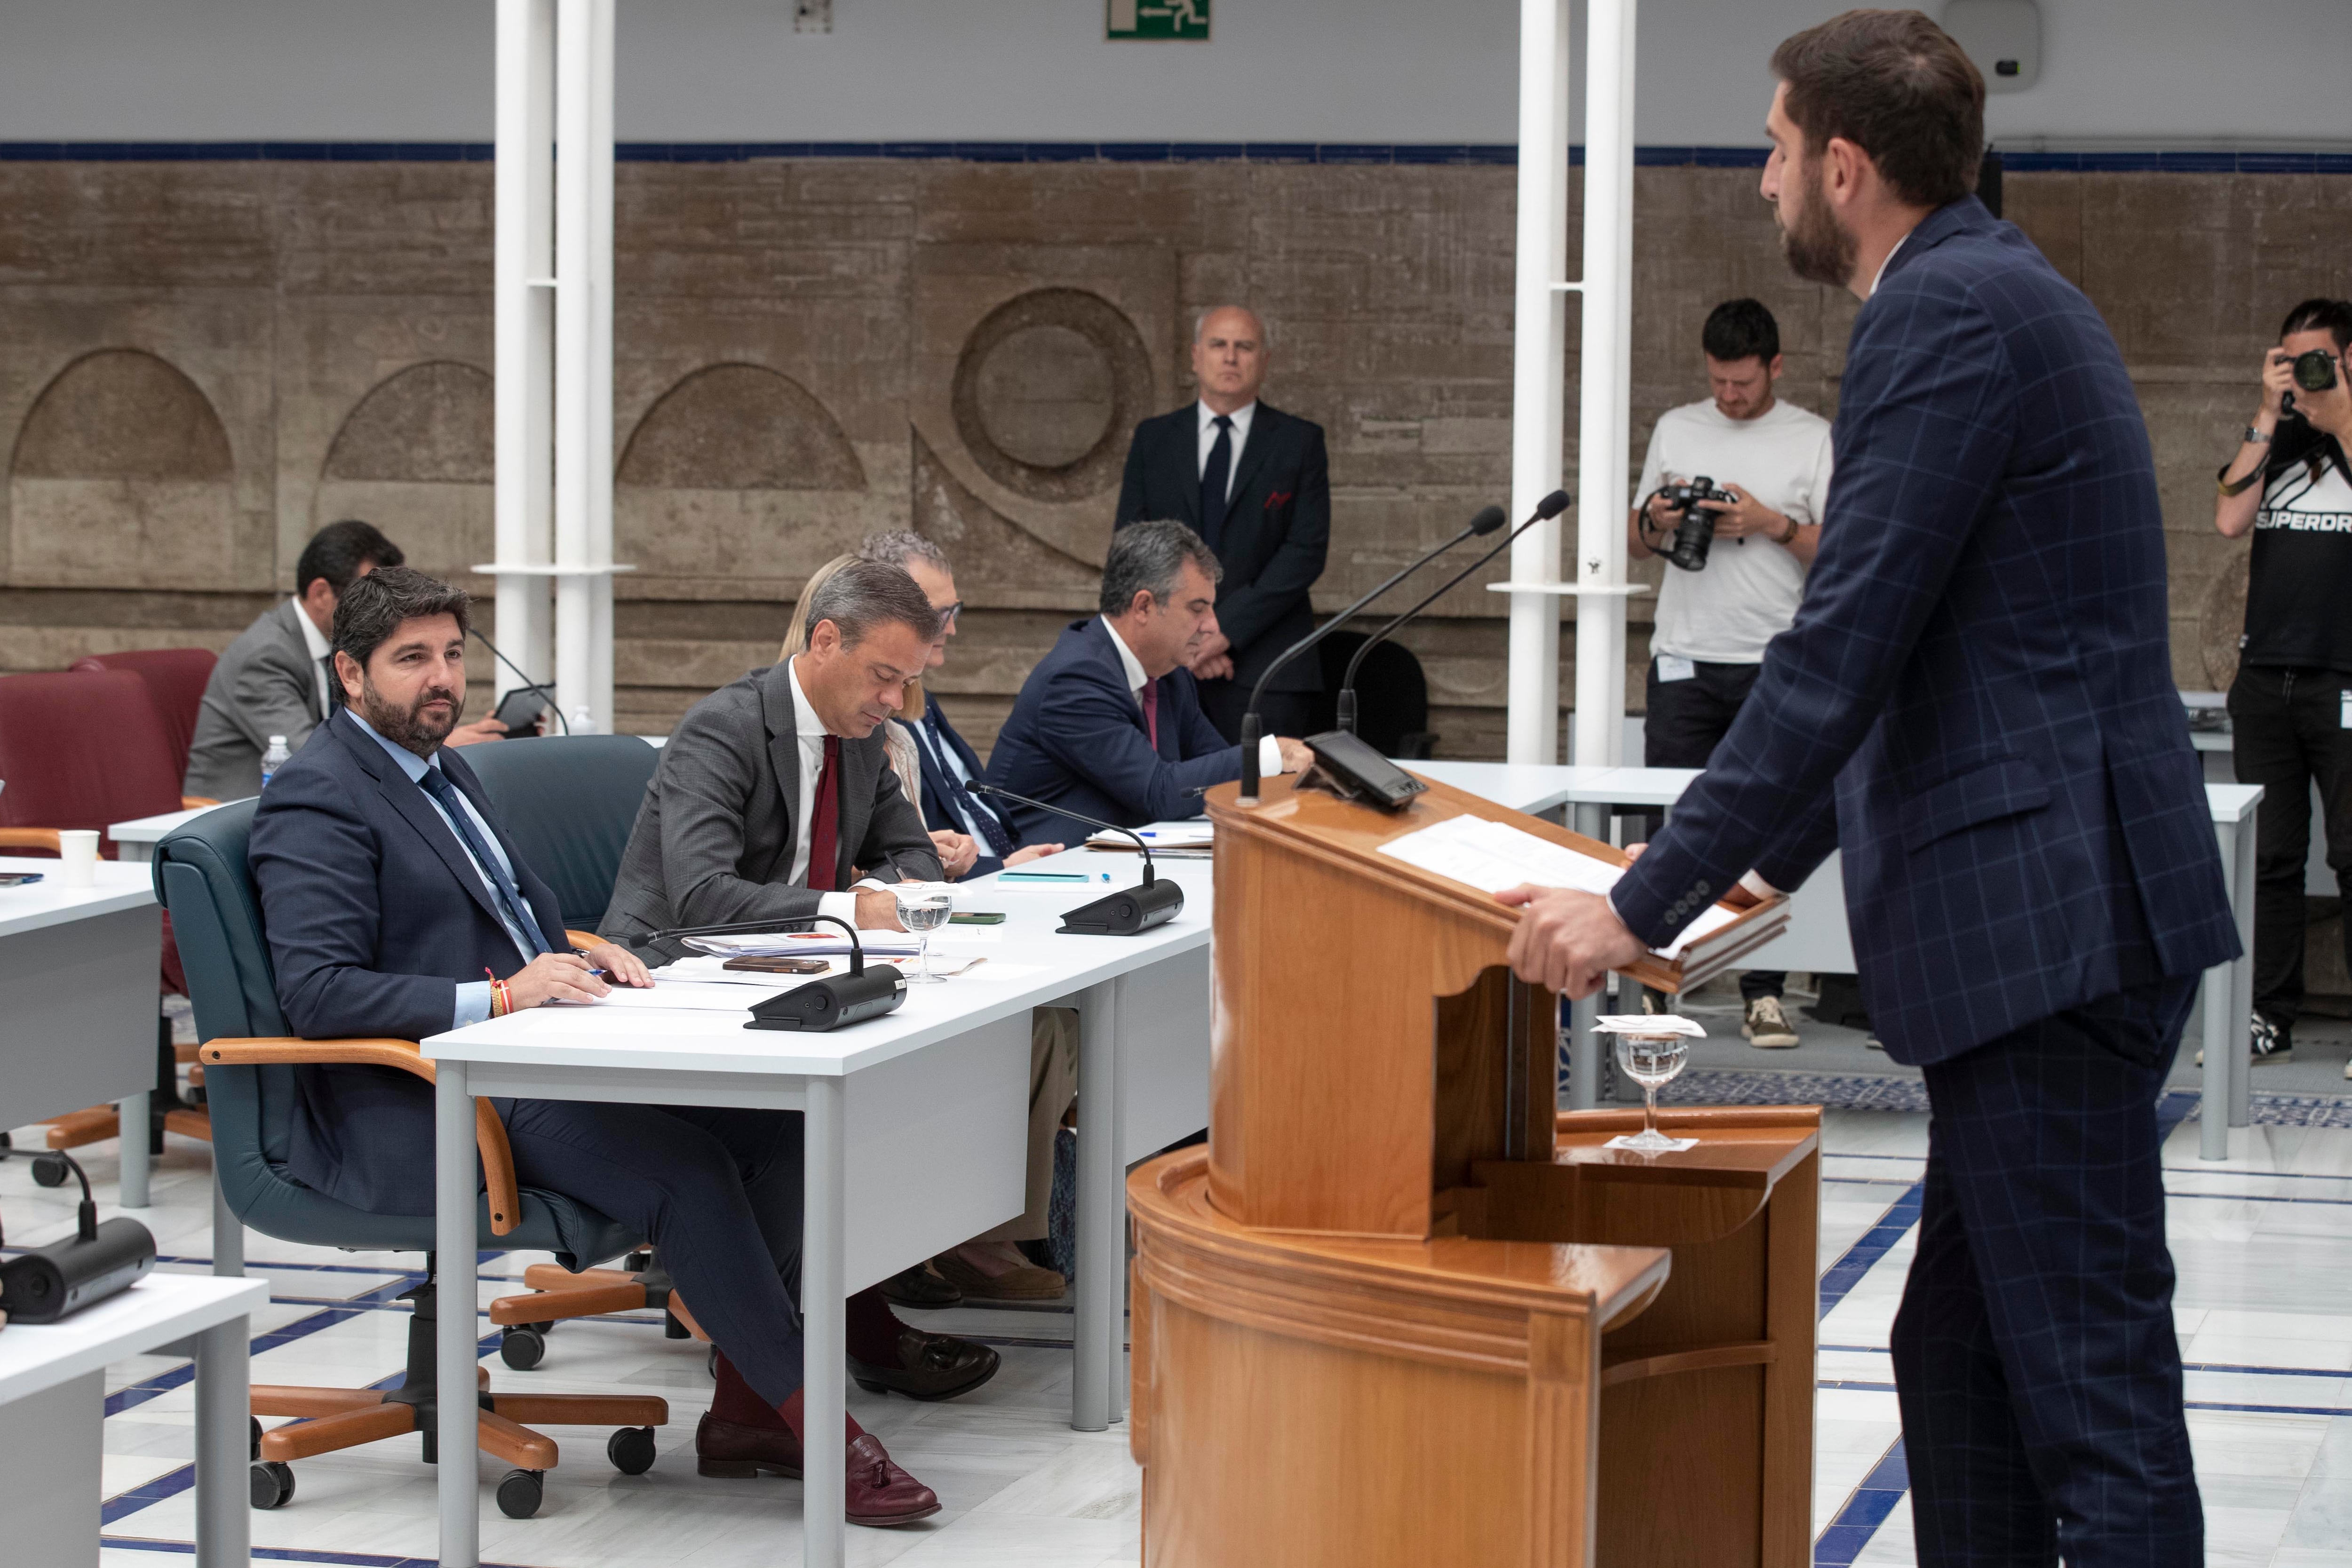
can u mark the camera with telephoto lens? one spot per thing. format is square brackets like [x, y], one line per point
[2316, 371]
[1687, 544]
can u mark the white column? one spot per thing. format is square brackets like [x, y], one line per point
[575, 307]
[1538, 355]
[598, 370]
[524, 290]
[1604, 385]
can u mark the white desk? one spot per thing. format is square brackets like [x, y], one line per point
[78, 968]
[916, 1128]
[53, 1404]
[136, 840]
[1818, 939]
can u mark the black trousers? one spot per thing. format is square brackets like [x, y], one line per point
[718, 1192]
[1687, 719]
[1223, 702]
[2034, 1355]
[2288, 730]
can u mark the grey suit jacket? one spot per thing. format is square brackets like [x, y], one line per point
[713, 840]
[264, 685]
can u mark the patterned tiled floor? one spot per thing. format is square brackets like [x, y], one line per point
[2263, 1243]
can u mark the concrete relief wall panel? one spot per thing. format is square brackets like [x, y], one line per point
[416, 458]
[736, 473]
[1031, 365]
[122, 477]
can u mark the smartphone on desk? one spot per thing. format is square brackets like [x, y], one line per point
[776, 963]
[977, 918]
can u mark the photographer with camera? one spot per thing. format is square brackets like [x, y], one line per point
[2291, 704]
[1732, 491]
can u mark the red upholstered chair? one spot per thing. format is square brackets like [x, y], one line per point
[175, 679]
[88, 749]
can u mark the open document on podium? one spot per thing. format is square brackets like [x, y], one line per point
[1493, 856]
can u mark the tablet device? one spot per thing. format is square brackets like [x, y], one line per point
[520, 710]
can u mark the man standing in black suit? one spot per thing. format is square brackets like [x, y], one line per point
[1254, 482]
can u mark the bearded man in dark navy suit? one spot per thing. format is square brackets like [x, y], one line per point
[1254, 483]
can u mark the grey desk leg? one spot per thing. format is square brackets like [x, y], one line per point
[824, 1323]
[1100, 1312]
[2213, 1117]
[223, 1502]
[229, 1234]
[131, 1113]
[455, 1357]
[2239, 853]
[1583, 1045]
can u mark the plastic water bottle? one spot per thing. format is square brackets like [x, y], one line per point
[274, 759]
[583, 722]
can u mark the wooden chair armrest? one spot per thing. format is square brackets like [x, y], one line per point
[190, 802]
[584, 939]
[490, 1134]
[30, 838]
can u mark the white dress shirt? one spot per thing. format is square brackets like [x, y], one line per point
[1241, 417]
[1880, 275]
[316, 641]
[808, 730]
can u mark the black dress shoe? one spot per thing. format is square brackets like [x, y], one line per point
[919, 1287]
[930, 1367]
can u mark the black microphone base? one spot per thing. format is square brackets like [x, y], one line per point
[830, 1003]
[53, 1282]
[1128, 913]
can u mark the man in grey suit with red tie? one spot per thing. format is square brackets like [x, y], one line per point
[1975, 704]
[1254, 483]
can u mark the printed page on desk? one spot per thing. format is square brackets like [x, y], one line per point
[1493, 856]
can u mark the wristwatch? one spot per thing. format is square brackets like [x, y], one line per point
[1784, 539]
[2259, 437]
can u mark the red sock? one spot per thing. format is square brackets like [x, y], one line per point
[736, 1401]
[791, 1410]
[872, 1328]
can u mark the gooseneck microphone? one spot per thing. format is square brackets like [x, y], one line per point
[825, 1003]
[1551, 507]
[1488, 520]
[528, 683]
[1148, 903]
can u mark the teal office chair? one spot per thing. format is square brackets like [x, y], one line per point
[201, 876]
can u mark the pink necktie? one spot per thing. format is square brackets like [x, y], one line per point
[1150, 696]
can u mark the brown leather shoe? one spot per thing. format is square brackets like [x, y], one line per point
[919, 1287]
[930, 1367]
[880, 1493]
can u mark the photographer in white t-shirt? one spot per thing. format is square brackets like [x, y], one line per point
[1772, 459]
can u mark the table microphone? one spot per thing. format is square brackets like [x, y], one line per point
[826, 1003]
[1551, 507]
[97, 1261]
[1130, 913]
[1488, 520]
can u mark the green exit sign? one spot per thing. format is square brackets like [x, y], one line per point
[1185, 21]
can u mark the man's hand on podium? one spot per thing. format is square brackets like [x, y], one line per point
[1567, 941]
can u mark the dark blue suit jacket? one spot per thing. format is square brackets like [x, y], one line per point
[1076, 737]
[938, 802]
[1979, 677]
[374, 913]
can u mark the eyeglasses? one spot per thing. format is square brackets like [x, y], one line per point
[948, 613]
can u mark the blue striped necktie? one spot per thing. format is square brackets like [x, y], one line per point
[436, 783]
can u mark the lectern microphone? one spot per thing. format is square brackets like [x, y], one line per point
[1488, 520]
[1148, 903]
[823, 1004]
[1551, 507]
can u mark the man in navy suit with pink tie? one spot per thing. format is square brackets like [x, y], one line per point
[1975, 704]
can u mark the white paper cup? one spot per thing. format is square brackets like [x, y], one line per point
[78, 856]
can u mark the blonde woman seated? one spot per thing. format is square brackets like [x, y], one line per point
[973, 839]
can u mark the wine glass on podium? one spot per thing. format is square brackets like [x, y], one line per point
[1652, 1048]
[923, 908]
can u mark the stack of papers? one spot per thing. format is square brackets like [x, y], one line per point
[1494, 856]
[1177, 840]
[805, 944]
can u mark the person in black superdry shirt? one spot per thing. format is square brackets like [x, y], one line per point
[2290, 706]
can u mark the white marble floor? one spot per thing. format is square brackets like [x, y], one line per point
[2263, 1243]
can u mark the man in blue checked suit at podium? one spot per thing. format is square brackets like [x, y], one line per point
[1975, 704]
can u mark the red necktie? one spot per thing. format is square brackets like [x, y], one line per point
[1150, 696]
[825, 820]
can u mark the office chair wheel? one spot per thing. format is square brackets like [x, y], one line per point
[631, 1449]
[520, 1492]
[522, 1348]
[254, 1422]
[273, 1484]
[542, 1329]
[50, 1170]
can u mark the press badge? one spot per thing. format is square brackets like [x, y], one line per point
[1674, 666]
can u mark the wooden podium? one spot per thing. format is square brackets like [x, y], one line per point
[1404, 1313]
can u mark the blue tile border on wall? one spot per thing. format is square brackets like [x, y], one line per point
[1342, 154]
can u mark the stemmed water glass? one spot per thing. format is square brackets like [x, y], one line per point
[923, 908]
[1651, 1050]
